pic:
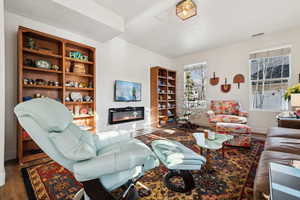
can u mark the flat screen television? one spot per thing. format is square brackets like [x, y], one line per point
[128, 91]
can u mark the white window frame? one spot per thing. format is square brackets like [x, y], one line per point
[250, 80]
[205, 89]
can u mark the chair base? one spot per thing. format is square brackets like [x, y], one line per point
[187, 178]
[94, 190]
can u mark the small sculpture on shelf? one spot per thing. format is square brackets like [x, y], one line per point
[68, 99]
[55, 67]
[30, 43]
[87, 98]
[79, 68]
[68, 67]
[90, 85]
[39, 95]
[43, 64]
[77, 111]
[39, 82]
[90, 111]
[76, 96]
[27, 98]
[83, 111]
[77, 84]
[29, 62]
[78, 55]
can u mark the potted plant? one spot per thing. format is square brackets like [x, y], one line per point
[292, 91]
[293, 94]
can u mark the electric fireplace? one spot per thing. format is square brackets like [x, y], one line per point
[128, 114]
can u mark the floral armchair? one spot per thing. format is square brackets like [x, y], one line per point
[226, 111]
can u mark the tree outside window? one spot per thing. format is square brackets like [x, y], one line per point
[270, 74]
[195, 81]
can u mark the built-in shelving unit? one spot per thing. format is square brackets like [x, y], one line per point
[33, 46]
[163, 96]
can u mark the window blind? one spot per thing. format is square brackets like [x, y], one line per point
[271, 53]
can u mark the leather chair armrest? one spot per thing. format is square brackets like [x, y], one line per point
[102, 165]
[107, 138]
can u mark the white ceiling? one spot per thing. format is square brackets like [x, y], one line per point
[218, 23]
[90, 19]
[128, 9]
[153, 25]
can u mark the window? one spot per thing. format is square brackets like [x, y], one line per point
[195, 81]
[270, 74]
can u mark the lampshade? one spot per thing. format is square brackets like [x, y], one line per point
[295, 100]
[186, 9]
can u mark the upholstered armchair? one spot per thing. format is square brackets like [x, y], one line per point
[101, 162]
[226, 111]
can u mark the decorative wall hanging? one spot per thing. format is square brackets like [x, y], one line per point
[225, 87]
[214, 80]
[239, 78]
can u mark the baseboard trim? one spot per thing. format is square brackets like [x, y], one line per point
[10, 155]
[2, 178]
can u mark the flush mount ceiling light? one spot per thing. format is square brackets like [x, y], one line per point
[186, 9]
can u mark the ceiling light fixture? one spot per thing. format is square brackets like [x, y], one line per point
[186, 9]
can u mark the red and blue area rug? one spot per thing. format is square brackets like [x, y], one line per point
[232, 179]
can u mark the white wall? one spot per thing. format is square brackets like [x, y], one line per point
[2, 94]
[116, 60]
[233, 59]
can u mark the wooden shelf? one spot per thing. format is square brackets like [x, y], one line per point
[78, 103]
[79, 61]
[43, 87]
[159, 79]
[78, 74]
[83, 89]
[83, 117]
[41, 69]
[162, 77]
[37, 52]
[32, 157]
[58, 48]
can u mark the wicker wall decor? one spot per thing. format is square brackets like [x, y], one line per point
[225, 87]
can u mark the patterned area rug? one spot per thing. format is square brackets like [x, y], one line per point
[232, 178]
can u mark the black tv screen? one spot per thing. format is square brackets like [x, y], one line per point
[128, 91]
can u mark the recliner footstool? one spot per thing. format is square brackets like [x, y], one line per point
[179, 160]
[241, 133]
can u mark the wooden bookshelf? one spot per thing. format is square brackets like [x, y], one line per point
[55, 51]
[163, 96]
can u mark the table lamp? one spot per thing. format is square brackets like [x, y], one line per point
[295, 102]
